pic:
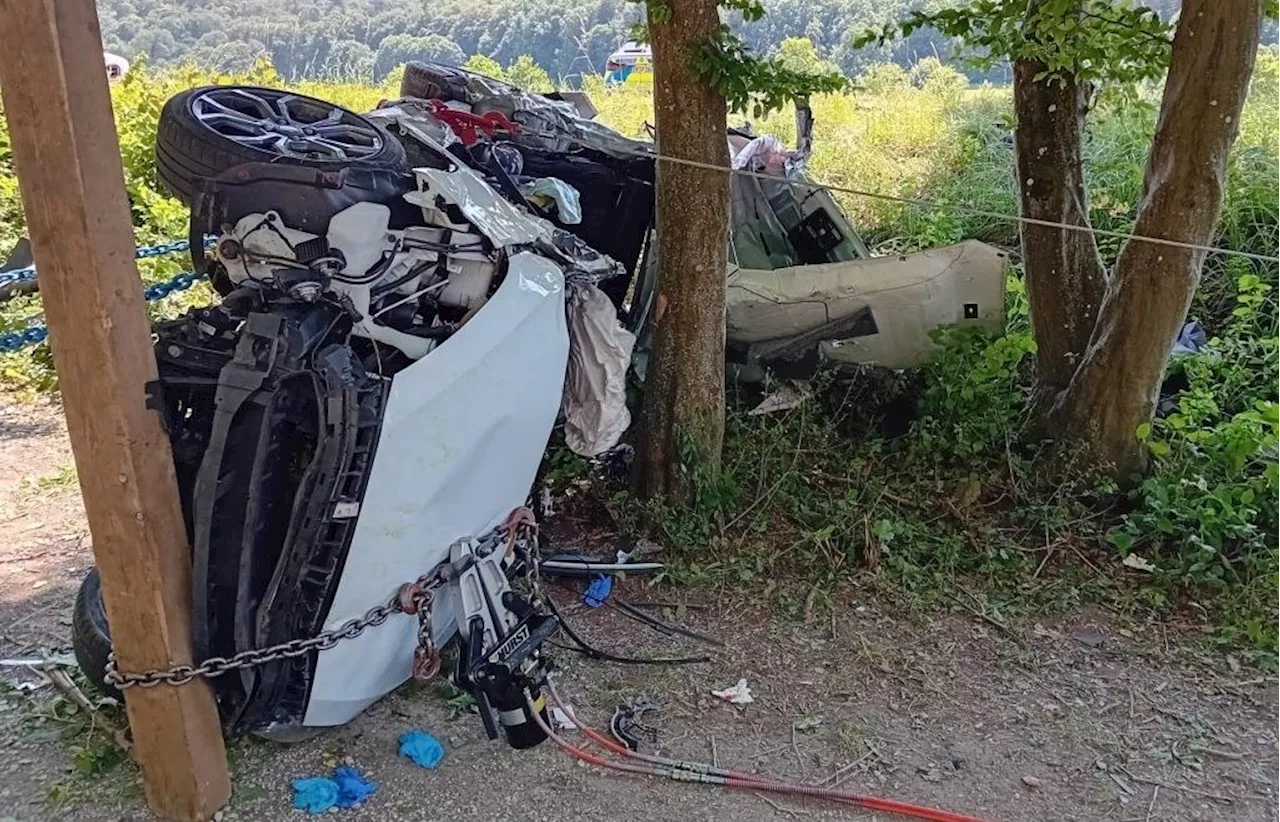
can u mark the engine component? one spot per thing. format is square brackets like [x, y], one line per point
[359, 233]
[470, 275]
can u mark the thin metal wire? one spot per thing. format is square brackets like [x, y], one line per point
[962, 209]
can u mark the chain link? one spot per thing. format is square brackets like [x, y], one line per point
[414, 597]
[38, 332]
[18, 275]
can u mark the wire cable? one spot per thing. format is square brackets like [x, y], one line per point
[624, 760]
[591, 652]
[959, 209]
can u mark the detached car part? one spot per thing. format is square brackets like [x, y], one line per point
[205, 131]
[877, 310]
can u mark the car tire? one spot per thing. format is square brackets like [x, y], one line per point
[90, 635]
[190, 148]
[424, 82]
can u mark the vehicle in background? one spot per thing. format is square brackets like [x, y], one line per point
[630, 62]
[117, 66]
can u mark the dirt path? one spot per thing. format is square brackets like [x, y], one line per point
[1072, 718]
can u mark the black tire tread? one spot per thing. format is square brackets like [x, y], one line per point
[420, 81]
[187, 153]
[90, 635]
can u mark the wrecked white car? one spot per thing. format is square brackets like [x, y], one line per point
[409, 301]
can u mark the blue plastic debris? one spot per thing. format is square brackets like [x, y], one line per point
[352, 787]
[421, 748]
[319, 794]
[598, 591]
[1191, 339]
[316, 794]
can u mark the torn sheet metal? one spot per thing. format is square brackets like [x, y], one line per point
[554, 124]
[907, 295]
[414, 118]
[595, 386]
[494, 216]
[766, 153]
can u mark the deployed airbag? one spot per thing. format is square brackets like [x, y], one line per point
[595, 386]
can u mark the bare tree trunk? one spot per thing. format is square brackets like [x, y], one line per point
[1064, 274]
[1114, 391]
[684, 389]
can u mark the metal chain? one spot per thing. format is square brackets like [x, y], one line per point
[18, 275]
[38, 332]
[413, 597]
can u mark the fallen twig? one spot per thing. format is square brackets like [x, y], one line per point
[781, 808]
[1180, 788]
[1220, 754]
[1125, 788]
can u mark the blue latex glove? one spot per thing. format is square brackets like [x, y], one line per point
[421, 748]
[352, 787]
[598, 591]
[315, 795]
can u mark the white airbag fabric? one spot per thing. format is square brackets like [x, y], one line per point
[595, 386]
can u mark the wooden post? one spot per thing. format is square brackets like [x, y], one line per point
[67, 155]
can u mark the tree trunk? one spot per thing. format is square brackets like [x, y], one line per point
[684, 389]
[1064, 274]
[1114, 390]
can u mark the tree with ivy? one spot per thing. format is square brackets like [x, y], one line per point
[1103, 338]
[701, 72]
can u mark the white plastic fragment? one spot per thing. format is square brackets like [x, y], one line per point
[1137, 562]
[739, 694]
[784, 399]
[554, 190]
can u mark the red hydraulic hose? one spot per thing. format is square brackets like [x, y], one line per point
[709, 774]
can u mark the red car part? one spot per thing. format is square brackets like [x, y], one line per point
[468, 126]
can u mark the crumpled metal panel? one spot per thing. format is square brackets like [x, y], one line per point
[462, 437]
[595, 387]
[492, 215]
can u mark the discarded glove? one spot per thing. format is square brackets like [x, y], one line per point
[352, 787]
[421, 748]
[319, 794]
[316, 794]
[598, 591]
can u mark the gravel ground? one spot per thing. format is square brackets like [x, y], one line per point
[1076, 716]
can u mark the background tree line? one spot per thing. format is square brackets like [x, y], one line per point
[365, 39]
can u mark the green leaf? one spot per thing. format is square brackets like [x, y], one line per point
[1122, 540]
